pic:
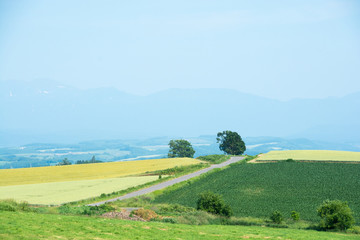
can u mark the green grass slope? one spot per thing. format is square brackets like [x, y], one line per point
[20, 225]
[258, 189]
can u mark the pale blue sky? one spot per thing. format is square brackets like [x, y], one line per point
[277, 49]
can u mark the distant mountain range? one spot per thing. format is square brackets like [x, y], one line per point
[45, 111]
[47, 154]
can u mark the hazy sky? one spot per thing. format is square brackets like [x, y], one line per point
[278, 49]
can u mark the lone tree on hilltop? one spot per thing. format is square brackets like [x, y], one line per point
[231, 143]
[180, 148]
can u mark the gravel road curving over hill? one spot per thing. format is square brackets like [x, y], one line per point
[170, 182]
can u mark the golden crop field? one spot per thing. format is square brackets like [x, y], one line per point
[312, 155]
[62, 192]
[87, 171]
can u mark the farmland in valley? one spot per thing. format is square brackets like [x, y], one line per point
[257, 190]
[311, 155]
[87, 171]
[55, 193]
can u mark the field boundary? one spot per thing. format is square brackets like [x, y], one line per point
[170, 182]
[308, 161]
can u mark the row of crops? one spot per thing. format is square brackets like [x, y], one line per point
[258, 189]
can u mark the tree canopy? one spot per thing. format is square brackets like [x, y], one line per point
[180, 148]
[231, 143]
[213, 203]
[335, 214]
[65, 161]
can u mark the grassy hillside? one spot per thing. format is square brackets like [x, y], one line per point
[87, 171]
[315, 155]
[63, 192]
[20, 225]
[258, 189]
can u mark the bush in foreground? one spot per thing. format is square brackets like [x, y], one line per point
[213, 203]
[276, 217]
[335, 215]
[13, 206]
[295, 215]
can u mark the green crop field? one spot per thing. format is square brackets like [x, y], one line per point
[20, 225]
[312, 155]
[63, 192]
[257, 190]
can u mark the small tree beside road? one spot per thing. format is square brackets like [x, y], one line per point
[231, 143]
[180, 148]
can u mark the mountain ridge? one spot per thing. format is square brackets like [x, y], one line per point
[103, 113]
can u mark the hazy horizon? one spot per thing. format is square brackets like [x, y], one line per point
[279, 50]
[186, 68]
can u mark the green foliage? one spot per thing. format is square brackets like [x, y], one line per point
[258, 189]
[213, 203]
[277, 217]
[178, 170]
[64, 162]
[231, 143]
[85, 210]
[335, 215]
[214, 159]
[93, 160]
[180, 148]
[13, 206]
[295, 215]
[174, 208]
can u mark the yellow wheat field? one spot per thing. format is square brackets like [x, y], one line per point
[87, 171]
[62, 192]
[313, 155]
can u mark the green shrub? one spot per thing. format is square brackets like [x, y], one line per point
[174, 208]
[169, 220]
[295, 215]
[276, 217]
[13, 206]
[7, 207]
[85, 210]
[215, 158]
[213, 203]
[335, 215]
[198, 218]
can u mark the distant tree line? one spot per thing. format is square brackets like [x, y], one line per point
[65, 161]
[93, 160]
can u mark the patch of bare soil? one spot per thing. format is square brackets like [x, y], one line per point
[254, 160]
[123, 215]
